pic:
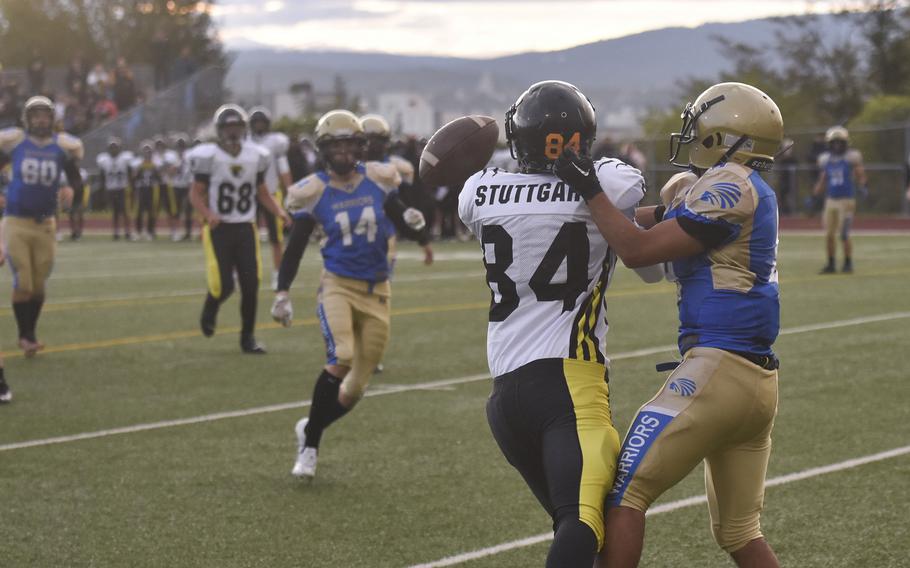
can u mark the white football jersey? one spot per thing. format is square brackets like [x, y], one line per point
[167, 162]
[116, 169]
[183, 177]
[277, 145]
[232, 179]
[548, 267]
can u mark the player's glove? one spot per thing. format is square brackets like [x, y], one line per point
[282, 311]
[578, 172]
[414, 219]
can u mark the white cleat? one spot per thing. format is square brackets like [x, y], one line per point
[305, 465]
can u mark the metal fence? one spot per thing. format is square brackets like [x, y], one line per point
[885, 149]
[182, 107]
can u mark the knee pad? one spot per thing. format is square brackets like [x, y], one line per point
[352, 388]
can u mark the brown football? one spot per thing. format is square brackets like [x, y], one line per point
[458, 150]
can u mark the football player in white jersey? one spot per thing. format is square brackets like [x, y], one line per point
[277, 178]
[114, 166]
[229, 178]
[548, 269]
[168, 163]
[182, 180]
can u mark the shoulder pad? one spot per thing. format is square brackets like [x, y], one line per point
[676, 186]
[10, 138]
[304, 194]
[823, 158]
[722, 192]
[201, 158]
[280, 143]
[103, 159]
[71, 145]
[384, 175]
[404, 167]
[854, 156]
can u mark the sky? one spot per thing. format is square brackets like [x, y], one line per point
[474, 28]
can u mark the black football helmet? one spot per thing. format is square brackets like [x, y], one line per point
[228, 115]
[260, 120]
[548, 117]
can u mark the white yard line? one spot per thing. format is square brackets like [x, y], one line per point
[671, 506]
[393, 389]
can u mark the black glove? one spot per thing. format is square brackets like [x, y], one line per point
[578, 172]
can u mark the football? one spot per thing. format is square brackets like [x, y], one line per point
[458, 149]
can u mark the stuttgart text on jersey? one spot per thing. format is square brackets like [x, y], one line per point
[505, 194]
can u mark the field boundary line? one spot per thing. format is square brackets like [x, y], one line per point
[392, 389]
[669, 507]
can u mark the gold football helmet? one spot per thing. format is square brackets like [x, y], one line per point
[337, 125]
[32, 105]
[375, 125]
[837, 133]
[729, 122]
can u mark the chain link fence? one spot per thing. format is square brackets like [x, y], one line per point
[885, 149]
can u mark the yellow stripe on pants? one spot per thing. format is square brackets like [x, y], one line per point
[212, 272]
[597, 438]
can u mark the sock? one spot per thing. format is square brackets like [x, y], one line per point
[848, 261]
[830, 261]
[248, 300]
[326, 408]
[36, 305]
[21, 309]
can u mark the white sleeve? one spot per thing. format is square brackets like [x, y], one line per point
[201, 163]
[622, 183]
[283, 166]
[466, 206]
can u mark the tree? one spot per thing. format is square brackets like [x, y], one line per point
[105, 29]
[886, 29]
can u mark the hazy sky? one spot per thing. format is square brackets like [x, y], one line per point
[474, 28]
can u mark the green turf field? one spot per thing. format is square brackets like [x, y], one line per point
[412, 476]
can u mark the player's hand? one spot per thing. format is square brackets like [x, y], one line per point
[212, 219]
[427, 254]
[285, 218]
[414, 219]
[578, 172]
[282, 311]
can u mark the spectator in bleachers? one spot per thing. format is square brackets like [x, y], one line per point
[98, 78]
[125, 90]
[184, 66]
[9, 104]
[36, 70]
[104, 109]
[76, 71]
[160, 52]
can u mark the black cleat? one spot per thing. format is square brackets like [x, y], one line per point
[847, 268]
[6, 395]
[207, 320]
[250, 345]
[829, 269]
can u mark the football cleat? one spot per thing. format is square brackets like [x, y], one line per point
[249, 345]
[828, 269]
[6, 395]
[847, 268]
[305, 464]
[30, 348]
[207, 320]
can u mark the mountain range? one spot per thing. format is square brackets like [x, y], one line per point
[622, 76]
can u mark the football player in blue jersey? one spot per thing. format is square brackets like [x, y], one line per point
[37, 155]
[350, 201]
[718, 226]
[842, 176]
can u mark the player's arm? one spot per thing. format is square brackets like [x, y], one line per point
[295, 245]
[74, 182]
[636, 247]
[197, 198]
[647, 217]
[819, 188]
[410, 223]
[268, 200]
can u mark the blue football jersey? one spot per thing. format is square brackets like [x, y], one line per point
[352, 218]
[36, 170]
[729, 296]
[839, 171]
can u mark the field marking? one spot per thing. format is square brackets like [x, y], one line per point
[195, 333]
[392, 389]
[671, 506]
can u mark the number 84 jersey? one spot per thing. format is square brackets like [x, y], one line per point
[232, 180]
[547, 265]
